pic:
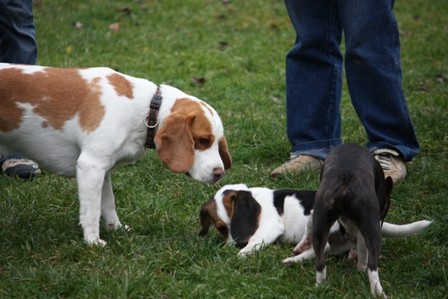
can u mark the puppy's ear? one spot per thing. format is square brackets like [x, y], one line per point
[245, 217]
[321, 171]
[387, 189]
[204, 218]
[208, 216]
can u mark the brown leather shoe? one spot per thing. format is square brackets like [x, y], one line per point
[297, 164]
[392, 164]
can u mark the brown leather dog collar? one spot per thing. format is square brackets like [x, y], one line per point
[151, 120]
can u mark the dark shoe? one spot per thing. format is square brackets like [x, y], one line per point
[20, 167]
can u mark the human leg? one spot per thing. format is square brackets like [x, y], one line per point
[17, 45]
[17, 33]
[374, 78]
[314, 78]
[313, 84]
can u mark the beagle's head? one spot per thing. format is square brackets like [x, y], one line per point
[234, 213]
[191, 140]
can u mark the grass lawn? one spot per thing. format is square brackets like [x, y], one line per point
[231, 55]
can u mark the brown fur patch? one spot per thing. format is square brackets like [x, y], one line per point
[55, 94]
[227, 201]
[208, 215]
[122, 86]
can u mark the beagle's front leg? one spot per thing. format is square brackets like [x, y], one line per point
[90, 178]
[108, 211]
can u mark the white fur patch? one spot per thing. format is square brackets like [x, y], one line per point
[321, 276]
[375, 285]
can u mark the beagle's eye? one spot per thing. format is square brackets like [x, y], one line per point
[203, 143]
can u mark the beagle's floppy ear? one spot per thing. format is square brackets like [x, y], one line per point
[245, 216]
[208, 216]
[174, 143]
[224, 153]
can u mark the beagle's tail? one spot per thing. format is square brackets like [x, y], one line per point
[403, 230]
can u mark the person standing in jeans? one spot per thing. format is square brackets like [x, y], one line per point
[17, 45]
[314, 70]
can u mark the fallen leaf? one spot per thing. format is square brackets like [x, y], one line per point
[77, 25]
[125, 10]
[114, 27]
[198, 81]
[222, 45]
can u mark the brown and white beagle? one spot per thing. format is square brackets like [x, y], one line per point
[255, 217]
[85, 123]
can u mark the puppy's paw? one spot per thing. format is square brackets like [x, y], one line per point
[377, 291]
[321, 276]
[244, 253]
[375, 285]
[250, 248]
[292, 260]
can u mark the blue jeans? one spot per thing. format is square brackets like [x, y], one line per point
[314, 71]
[17, 32]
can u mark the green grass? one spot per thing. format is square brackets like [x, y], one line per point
[239, 50]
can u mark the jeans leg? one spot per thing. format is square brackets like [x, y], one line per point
[17, 32]
[314, 77]
[373, 69]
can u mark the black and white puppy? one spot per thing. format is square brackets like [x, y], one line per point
[354, 191]
[255, 217]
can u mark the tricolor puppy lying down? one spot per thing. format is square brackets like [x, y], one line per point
[255, 217]
[85, 123]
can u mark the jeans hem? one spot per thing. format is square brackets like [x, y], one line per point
[317, 149]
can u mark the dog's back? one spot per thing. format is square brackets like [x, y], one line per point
[346, 182]
[52, 114]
